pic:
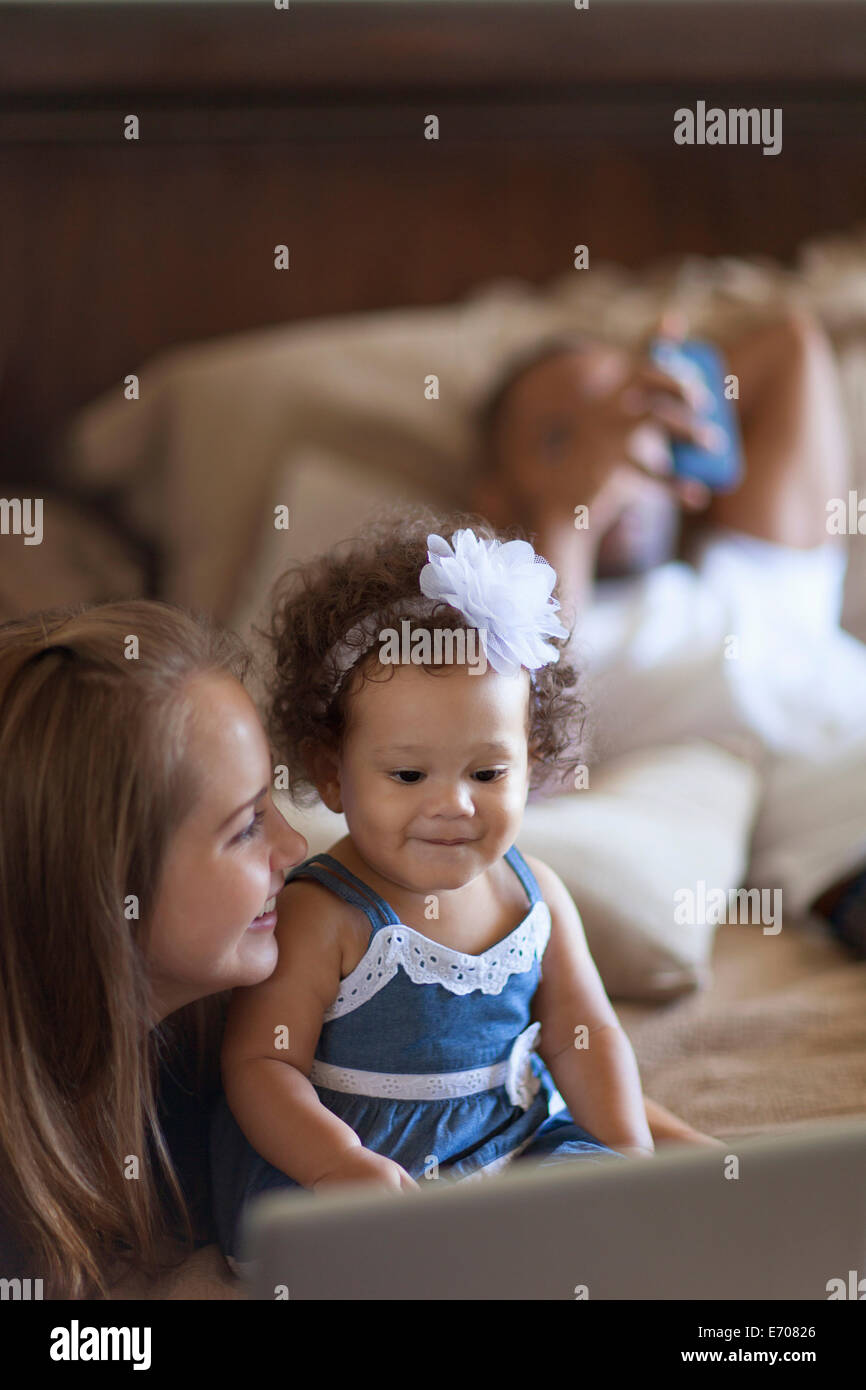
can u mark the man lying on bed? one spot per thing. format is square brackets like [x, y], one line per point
[743, 644]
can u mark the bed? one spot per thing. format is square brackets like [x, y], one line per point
[739, 1032]
[777, 1041]
[257, 387]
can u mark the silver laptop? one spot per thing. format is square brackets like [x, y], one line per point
[678, 1226]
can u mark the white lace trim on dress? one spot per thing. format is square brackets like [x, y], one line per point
[515, 1074]
[427, 962]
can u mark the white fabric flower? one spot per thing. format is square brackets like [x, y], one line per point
[501, 587]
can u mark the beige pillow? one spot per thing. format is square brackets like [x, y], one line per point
[648, 825]
[329, 499]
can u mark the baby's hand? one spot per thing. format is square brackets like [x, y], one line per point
[362, 1165]
[696, 1136]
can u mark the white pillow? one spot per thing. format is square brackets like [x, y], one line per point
[649, 825]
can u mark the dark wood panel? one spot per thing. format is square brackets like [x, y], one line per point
[591, 116]
[193, 47]
[113, 254]
[111, 251]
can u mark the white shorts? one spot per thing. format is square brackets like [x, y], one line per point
[744, 649]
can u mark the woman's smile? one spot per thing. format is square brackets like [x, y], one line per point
[267, 918]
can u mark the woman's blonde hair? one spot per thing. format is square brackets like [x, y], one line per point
[93, 784]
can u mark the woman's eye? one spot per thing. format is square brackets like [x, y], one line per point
[490, 774]
[407, 775]
[250, 832]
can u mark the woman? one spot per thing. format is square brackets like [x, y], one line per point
[139, 853]
[139, 846]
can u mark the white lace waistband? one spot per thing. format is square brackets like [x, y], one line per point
[515, 1073]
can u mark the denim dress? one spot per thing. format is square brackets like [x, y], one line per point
[426, 1053]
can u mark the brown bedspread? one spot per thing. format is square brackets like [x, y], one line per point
[778, 1039]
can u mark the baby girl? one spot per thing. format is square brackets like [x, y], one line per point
[434, 1002]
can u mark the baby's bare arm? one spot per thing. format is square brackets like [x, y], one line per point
[588, 1054]
[270, 1041]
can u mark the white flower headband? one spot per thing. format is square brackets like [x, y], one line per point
[502, 588]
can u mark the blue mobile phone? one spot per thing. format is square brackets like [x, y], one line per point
[720, 471]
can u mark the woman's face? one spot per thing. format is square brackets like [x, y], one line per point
[213, 921]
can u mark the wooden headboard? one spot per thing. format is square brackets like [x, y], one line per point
[305, 126]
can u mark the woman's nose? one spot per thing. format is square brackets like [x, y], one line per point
[295, 848]
[288, 845]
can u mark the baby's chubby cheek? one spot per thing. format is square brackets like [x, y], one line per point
[506, 827]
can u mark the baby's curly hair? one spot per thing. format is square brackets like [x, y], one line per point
[317, 604]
